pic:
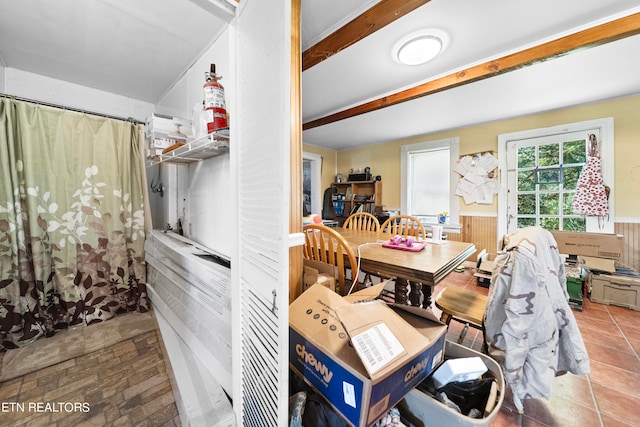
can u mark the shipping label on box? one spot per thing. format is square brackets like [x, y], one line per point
[361, 389]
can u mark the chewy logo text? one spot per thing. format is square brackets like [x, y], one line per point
[416, 369]
[310, 360]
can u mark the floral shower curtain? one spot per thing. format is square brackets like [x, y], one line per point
[71, 220]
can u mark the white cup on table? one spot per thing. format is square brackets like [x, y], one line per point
[436, 233]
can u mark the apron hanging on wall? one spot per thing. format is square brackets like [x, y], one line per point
[592, 195]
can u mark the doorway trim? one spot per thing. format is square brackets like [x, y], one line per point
[316, 180]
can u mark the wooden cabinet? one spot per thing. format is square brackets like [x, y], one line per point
[354, 196]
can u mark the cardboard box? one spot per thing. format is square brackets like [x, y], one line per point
[318, 272]
[599, 245]
[362, 357]
[484, 268]
[421, 409]
[598, 264]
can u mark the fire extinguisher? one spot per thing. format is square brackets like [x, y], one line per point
[214, 104]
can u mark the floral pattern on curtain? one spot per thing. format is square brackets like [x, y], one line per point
[71, 220]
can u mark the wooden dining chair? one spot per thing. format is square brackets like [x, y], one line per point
[324, 244]
[462, 305]
[362, 221]
[404, 225]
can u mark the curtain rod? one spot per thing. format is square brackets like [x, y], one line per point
[77, 110]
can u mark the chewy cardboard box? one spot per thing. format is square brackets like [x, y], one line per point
[363, 357]
[599, 245]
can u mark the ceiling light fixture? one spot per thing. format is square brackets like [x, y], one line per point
[420, 47]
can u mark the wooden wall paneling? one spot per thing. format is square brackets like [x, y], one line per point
[631, 233]
[479, 230]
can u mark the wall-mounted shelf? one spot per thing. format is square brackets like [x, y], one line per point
[212, 145]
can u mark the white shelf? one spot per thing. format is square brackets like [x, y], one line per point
[212, 145]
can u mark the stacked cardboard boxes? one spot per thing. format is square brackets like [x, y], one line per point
[600, 254]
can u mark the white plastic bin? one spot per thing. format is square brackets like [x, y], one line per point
[424, 411]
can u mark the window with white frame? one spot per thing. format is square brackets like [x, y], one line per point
[428, 180]
[543, 167]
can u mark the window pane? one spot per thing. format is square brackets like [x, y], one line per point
[550, 223]
[549, 187]
[430, 182]
[568, 199]
[526, 222]
[526, 204]
[575, 224]
[549, 204]
[549, 155]
[526, 181]
[574, 152]
[527, 157]
[571, 175]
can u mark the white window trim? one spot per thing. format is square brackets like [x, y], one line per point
[454, 146]
[316, 180]
[605, 127]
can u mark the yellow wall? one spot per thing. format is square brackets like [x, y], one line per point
[384, 159]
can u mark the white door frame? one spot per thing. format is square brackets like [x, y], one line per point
[316, 181]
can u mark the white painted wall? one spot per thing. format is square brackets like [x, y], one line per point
[202, 196]
[1, 77]
[45, 89]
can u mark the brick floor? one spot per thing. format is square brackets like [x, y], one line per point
[125, 384]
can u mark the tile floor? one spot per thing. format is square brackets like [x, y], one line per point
[127, 384]
[609, 396]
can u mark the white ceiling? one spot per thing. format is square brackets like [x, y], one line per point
[479, 30]
[140, 48]
[135, 48]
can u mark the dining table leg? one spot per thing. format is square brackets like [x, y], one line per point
[401, 291]
[412, 293]
[426, 292]
[415, 295]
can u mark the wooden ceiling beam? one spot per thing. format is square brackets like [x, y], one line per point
[595, 36]
[378, 16]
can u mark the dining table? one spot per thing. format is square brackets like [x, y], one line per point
[419, 270]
